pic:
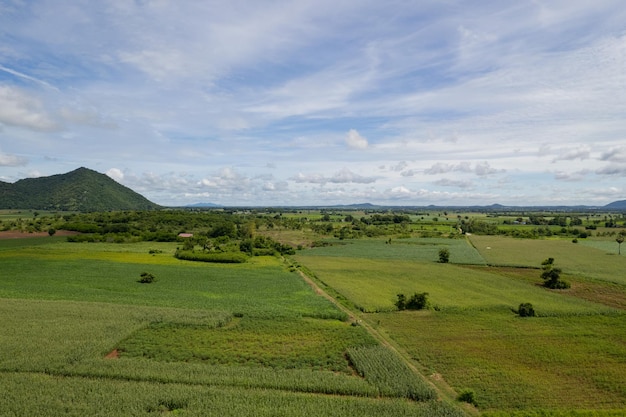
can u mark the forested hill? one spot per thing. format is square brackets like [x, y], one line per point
[79, 190]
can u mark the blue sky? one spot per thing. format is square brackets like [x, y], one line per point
[260, 102]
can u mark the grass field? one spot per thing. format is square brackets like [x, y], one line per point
[574, 258]
[415, 249]
[222, 340]
[568, 361]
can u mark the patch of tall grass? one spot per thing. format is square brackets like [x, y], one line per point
[31, 394]
[389, 373]
[281, 344]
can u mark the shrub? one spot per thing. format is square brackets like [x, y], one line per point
[444, 255]
[218, 257]
[146, 278]
[418, 301]
[526, 310]
[468, 396]
[401, 302]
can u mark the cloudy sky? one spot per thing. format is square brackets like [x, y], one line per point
[269, 102]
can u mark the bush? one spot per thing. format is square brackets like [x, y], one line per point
[146, 278]
[218, 257]
[418, 301]
[526, 310]
[468, 396]
[444, 255]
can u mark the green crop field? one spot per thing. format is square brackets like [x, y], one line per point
[568, 361]
[416, 249]
[81, 336]
[594, 260]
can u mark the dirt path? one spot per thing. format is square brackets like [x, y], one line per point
[436, 380]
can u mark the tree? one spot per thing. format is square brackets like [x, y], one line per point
[526, 310]
[418, 301]
[552, 276]
[401, 302]
[619, 240]
[444, 255]
[51, 231]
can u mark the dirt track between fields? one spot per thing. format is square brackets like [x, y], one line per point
[436, 379]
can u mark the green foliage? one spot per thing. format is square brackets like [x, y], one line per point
[401, 302]
[526, 310]
[552, 275]
[468, 396]
[479, 227]
[444, 255]
[146, 278]
[80, 190]
[418, 301]
[386, 370]
[217, 257]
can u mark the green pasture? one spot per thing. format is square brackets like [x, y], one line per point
[373, 285]
[592, 260]
[414, 249]
[511, 363]
[204, 339]
[95, 272]
[568, 361]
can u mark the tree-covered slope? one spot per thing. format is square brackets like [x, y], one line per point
[80, 190]
[617, 205]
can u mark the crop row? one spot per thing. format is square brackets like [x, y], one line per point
[78, 397]
[386, 370]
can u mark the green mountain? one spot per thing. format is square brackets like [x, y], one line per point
[80, 190]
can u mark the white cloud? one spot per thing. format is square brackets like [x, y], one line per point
[355, 140]
[436, 95]
[343, 176]
[116, 174]
[612, 170]
[18, 108]
[445, 182]
[481, 169]
[617, 154]
[8, 160]
[582, 152]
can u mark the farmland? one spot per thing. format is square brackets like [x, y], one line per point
[203, 339]
[570, 357]
[254, 338]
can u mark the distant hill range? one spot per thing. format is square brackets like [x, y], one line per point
[80, 190]
[616, 205]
